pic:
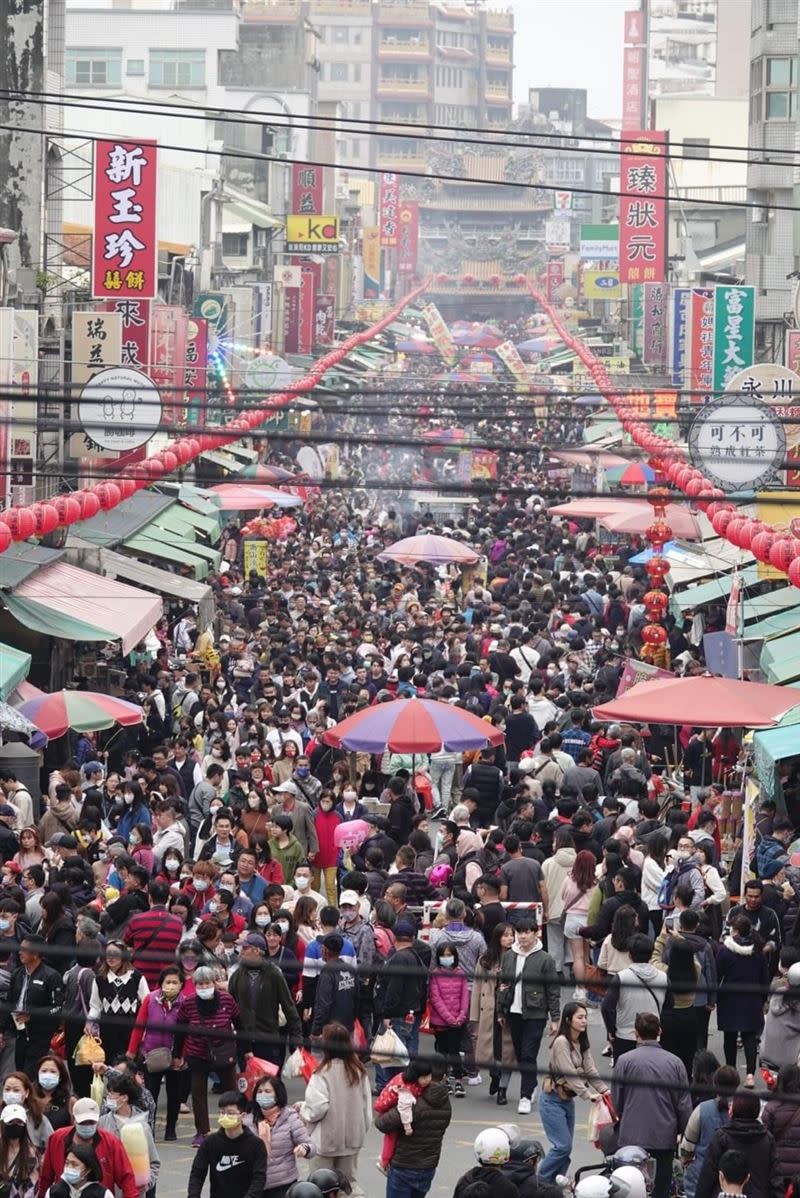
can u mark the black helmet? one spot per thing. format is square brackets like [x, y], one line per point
[304, 1189]
[327, 1180]
[523, 1150]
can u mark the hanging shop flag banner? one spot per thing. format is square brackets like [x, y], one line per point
[557, 233]
[601, 284]
[306, 189]
[643, 207]
[168, 358]
[96, 344]
[484, 464]
[634, 672]
[634, 27]
[633, 82]
[324, 319]
[637, 317]
[441, 335]
[734, 333]
[125, 246]
[389, 206]
[23, 376]
[312, 234]
[291, 319]
[196, 371]
[407, 238]
[700, 345]
[306, 311]
[678, 335]
[371, 251]
[509, 355]
[135, 316]
[655, 298]
[553, 277]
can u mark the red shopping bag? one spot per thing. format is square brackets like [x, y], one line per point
[359, 1036]
[254, 1070]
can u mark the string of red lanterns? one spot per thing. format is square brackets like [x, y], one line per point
[779, 550]
[39, 519]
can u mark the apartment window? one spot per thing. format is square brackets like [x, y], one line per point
[355, 148]
[779, 93]
[697, 147]
[339, 72]
[177, 68]
[356, 72]
[565, 170]
[94, 67]
[134, 66]
[235, 245]
[341, 35]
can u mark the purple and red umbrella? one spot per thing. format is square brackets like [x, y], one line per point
[428, 547]
[83, 711]
[413, 726]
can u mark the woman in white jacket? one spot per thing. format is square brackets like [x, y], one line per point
[338, 1105]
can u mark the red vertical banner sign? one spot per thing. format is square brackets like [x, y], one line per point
[196, 371]
[291, 319]
[167, 359]
[408, 237]
[643, 208]
[125, 245]
[135, 331]
[633, 72]
[700, 339]
[307, 310]
[389, 205]
[324, 319]
[553, 277]
[306, 189]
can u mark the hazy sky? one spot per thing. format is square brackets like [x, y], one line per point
[571, 43]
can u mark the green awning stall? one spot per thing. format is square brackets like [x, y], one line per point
[14, 666]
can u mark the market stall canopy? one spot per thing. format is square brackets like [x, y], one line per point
[589, 461]
[83, 711]
[244, 497]
[116, 525]
[630, 516]
[702, 702]
[14, 666]
[429, 548]
[164, 582]
[413, 726]
[65, 601]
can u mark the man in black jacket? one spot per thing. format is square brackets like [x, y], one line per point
[234, 1158]
[487, 779]
[401, 991]
[34, 1003]
[626, 893]
[416, 1157]
[747, 1133]
[336, 997]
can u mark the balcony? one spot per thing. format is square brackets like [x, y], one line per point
[404, 12]
[271, 10]
[498, 91]
[356, 8]
[499, 21]
[397, 49]
[412, 89]
[498, 56]
[402, 162]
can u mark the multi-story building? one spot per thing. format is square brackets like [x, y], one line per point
[773, 242]
[697, 48]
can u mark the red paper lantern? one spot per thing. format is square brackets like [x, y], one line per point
[784, 550]
[89, 503]
[169, 461]
[761, 545]
[68, 508]
[738, 532]
[654, 635]
[109, 495]
[154, 467]
[182, 452]
[20, 522]
[127, 487]
[721, 521]
[45, 518]
[794, 572]
[5, 537]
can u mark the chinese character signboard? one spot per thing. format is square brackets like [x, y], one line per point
[510, 357]
[778, 387]
[125, 247]
[643, 207]
[120, 409]
[96, 344]
[312, 234]
[655, 298]
[256, 557]
[196, 371]
[324, 316]
[291, 319]
[440, 334]
[677, 340]
[371, 251]
[306, 311]
[407, 238]
[22, 373]
[734, 332]
[389, 206]
[553, 277]
[738, 441]
[700, 345]
[557, 233]
[135, 331]
[792, 353]
[633, 85]
[168, 358]
[306, 189]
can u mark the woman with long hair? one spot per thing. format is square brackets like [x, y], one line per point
[58, 928]
[118, 990]
[82, 1176]
[704, 1120]
[743, 973]
[572, 1074]
[678, 1018]
[305, 917]
[338, 1104]
[614, 955]
[31, 850]
[19, 1160]
[285, 1136]
[52, 1086]
[576, 895]
[18, 1091]
[653, 869]
[141, 842]
[493, 1042]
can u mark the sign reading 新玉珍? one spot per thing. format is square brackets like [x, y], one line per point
[738, 441]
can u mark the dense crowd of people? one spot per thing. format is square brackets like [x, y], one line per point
[188, 914]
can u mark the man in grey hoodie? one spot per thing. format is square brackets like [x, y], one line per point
[640, 987]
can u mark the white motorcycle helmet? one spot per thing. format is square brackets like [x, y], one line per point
[594, 1186]
[628, 1182]
[492, 1147]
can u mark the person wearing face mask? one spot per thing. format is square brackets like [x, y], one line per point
[118, 991]
[234, 1158]
[326, 821]
[349, 807]
[119, 1114]
[284, 1134]
[82, 1175]
[153, 1037]
[114, 1167]
[262, 993]
[19, 1163]
[18, 1091]
[206, 1037]
[303, 887]
[52, 1087]
[136, 810]
[310, 787]
[201, 887]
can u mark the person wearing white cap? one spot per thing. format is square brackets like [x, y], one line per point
[117, 1173]
[20, 1162]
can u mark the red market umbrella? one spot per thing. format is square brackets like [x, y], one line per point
[83, 711]
[429, 548]
[637, 475]
[247, 497]
[413, 726]
[702, 701]
[276, 475]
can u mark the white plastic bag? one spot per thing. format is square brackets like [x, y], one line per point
[388, 1049]
[292, 1066]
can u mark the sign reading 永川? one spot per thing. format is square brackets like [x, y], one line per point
[779, 388]
[734, 333]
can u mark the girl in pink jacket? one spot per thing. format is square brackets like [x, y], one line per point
[449, 1007]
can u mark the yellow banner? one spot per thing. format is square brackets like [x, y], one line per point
[601, 285]
[614, 365]
[321, 233]
[510, 357]
[256, 556]
[371, 252]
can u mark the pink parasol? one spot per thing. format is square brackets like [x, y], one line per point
[429, 548]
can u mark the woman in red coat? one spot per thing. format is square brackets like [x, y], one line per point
[326, 821]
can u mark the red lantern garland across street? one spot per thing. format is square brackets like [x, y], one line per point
[18, 524]
[739, 530]
[656, 602]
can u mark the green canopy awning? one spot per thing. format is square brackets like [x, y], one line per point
[761, 606]
[711, 591]
[198, 500]
[780, 624]
[188, 524]
[780, 659]
[50, 622]
[14, 666]
[244, 452]
[23, 559]
[165, 551]
[114, 526]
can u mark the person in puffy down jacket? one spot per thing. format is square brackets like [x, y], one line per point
[781, 1116]
[449, 1008]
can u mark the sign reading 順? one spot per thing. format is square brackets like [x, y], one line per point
[738, 442]
[643, 207]
[125, 247]
[734, 332]
[120, 409]
[306, 189]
